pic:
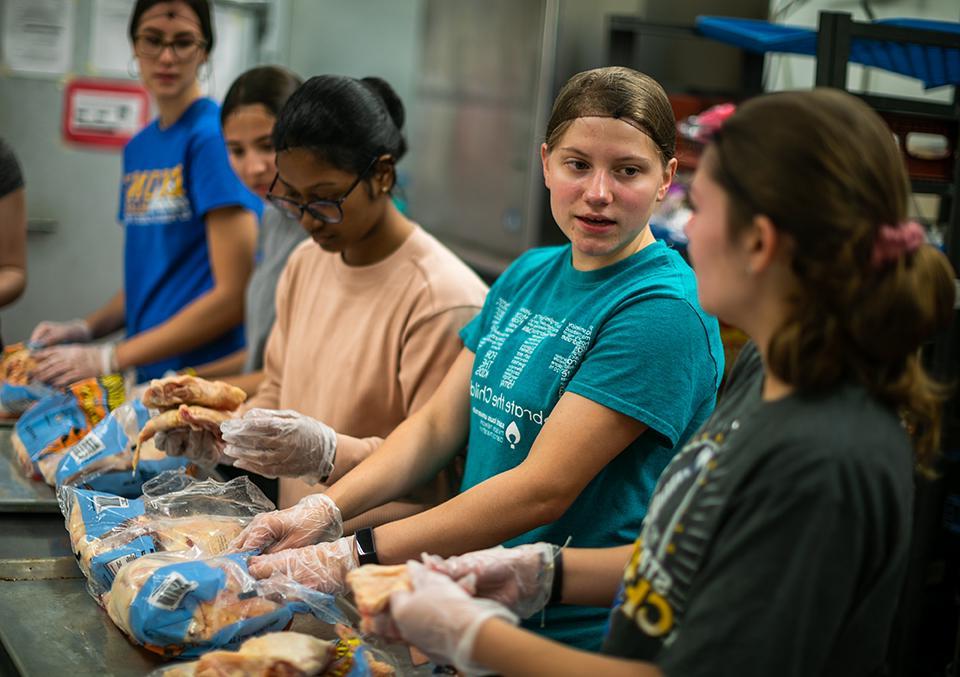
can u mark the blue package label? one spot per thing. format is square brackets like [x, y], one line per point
[102, 512]
[105, 566]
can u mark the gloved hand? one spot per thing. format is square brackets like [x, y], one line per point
[441, 619]
[281, 444]
[519, 578]
[313, 519]
[62, 365]
[200, 446]
[322, 567]
[52, 333]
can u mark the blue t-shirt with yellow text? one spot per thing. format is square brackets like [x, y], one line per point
[171, 179]
[631, 337]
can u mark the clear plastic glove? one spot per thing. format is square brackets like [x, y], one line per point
[313, 519]
[281, 444]
[200, 446]
[322, 567]
[441, 619]
[62, 365]
[520, 578]
[53, 333]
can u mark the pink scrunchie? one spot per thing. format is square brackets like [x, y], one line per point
[893, 242]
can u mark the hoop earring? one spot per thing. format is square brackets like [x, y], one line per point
[204, 71]
[133, 69]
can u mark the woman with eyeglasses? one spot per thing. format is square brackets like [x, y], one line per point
[368, 310]
[190, 224]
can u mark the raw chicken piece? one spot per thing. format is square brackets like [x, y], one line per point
[273, 654]
[186, 416]
[170, 392]
[373, 584]
[207, 535]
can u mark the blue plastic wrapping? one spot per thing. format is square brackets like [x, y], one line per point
[16, 399]
[62, 419]
[176, 605]
[103, 459]
[935, 66]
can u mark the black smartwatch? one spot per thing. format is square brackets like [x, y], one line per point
[366, 548]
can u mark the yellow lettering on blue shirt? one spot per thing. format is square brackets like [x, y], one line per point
[155, 196]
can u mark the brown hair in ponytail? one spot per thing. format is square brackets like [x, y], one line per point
[825, 169]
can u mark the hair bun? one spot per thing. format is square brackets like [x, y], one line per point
[390, 99]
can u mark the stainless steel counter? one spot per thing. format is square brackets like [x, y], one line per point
[17, 492]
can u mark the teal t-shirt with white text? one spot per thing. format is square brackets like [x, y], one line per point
[631, 337]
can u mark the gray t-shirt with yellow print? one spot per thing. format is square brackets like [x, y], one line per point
[776, 543]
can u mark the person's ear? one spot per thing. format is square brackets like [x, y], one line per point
[763, 244]
[669, 171]
[544, 157]
[385, 174]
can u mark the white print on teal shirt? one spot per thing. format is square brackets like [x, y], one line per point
[538, 328]
[533, 331]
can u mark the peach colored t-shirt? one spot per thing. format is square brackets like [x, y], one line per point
[363, 347]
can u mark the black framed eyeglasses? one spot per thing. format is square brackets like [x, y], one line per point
[152, 46]
[328, 211]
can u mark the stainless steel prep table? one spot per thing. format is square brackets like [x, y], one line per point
[17, 492]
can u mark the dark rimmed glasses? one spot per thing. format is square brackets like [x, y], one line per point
[152, 46]
[328, 211]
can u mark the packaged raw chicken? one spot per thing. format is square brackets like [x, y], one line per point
[103, 459]
[63, 418]
[178, 513]
[175, 605]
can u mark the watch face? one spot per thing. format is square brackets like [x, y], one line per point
[366, 551]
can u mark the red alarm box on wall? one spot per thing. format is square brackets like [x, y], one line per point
[104, 112]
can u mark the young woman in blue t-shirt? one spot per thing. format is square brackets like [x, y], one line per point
[190, 224]
[777, 542]
[587, 367]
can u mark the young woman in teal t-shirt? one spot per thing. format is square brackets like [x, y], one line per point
[587, 367]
